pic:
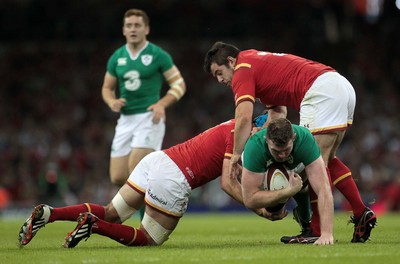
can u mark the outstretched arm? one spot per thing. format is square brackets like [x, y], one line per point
[243, 126]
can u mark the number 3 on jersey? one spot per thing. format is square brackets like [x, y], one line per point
[132, 82]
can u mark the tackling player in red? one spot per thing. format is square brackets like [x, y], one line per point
[324, 98]
[162, 181]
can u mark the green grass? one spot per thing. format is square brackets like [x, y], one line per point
[209, 238]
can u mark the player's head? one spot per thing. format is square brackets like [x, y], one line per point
[220, 61]
[280, 137]
[136, 26]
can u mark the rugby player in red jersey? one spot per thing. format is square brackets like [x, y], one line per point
[324, 98]
[162, 181]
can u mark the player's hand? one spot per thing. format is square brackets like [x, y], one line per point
[158, 112]
[234, 167]
[324, 239]
[295, 182]
[117, 104]
[272, 216]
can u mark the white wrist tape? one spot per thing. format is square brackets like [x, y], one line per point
[176, 89]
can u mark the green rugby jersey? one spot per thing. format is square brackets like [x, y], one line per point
[257, 157]
[140, 79]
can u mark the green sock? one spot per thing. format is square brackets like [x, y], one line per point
[303, 209]
[141, 213]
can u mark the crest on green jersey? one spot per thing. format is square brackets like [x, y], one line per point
[147, 59]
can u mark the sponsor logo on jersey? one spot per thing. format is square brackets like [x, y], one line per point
[147, 59]
[121, 61]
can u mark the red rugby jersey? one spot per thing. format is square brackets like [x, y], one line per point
[201, 157]
[274, 78]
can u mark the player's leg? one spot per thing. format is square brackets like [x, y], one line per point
[157, 173]
[121, 149]
[43, 214]
[119, 170]
[123, 205]
[154, 230]
[337, 111]
[363, 217]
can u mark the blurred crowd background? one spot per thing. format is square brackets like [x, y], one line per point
[55, 130]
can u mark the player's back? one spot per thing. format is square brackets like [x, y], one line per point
[201, 157]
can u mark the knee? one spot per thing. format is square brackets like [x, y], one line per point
[118, 179]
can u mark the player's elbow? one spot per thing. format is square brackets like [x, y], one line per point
[249, 202]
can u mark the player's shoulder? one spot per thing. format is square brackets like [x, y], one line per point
[301, 129]
[155, 49]
[303, 134]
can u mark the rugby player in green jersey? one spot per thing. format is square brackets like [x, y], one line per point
[132, 84]
[291, 145]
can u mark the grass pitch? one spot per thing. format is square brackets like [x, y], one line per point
[209, 238]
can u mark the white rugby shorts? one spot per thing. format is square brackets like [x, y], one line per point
[165, 186]
[137, 131]
[329, 104]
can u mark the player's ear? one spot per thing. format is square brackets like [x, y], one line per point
[294, 136]
[231, 60]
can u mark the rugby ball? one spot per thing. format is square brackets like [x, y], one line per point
[276, 177]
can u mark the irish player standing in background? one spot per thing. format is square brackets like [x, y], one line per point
[138, 70]
[325, 99]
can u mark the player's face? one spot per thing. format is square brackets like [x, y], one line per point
[135, 30]
[222, 73]
[280, 153]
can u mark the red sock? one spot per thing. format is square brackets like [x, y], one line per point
[315, 220]
[71, 213]
[344, 182]
[123, 234]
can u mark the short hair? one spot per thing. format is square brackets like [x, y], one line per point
[219, 53]
[280, 131]
[139, 13]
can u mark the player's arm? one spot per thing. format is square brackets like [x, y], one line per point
[110, 84]
[243, 126]
[233, 188]
[174, 94]
[230, 185]
[319, 181]
[254, 195]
